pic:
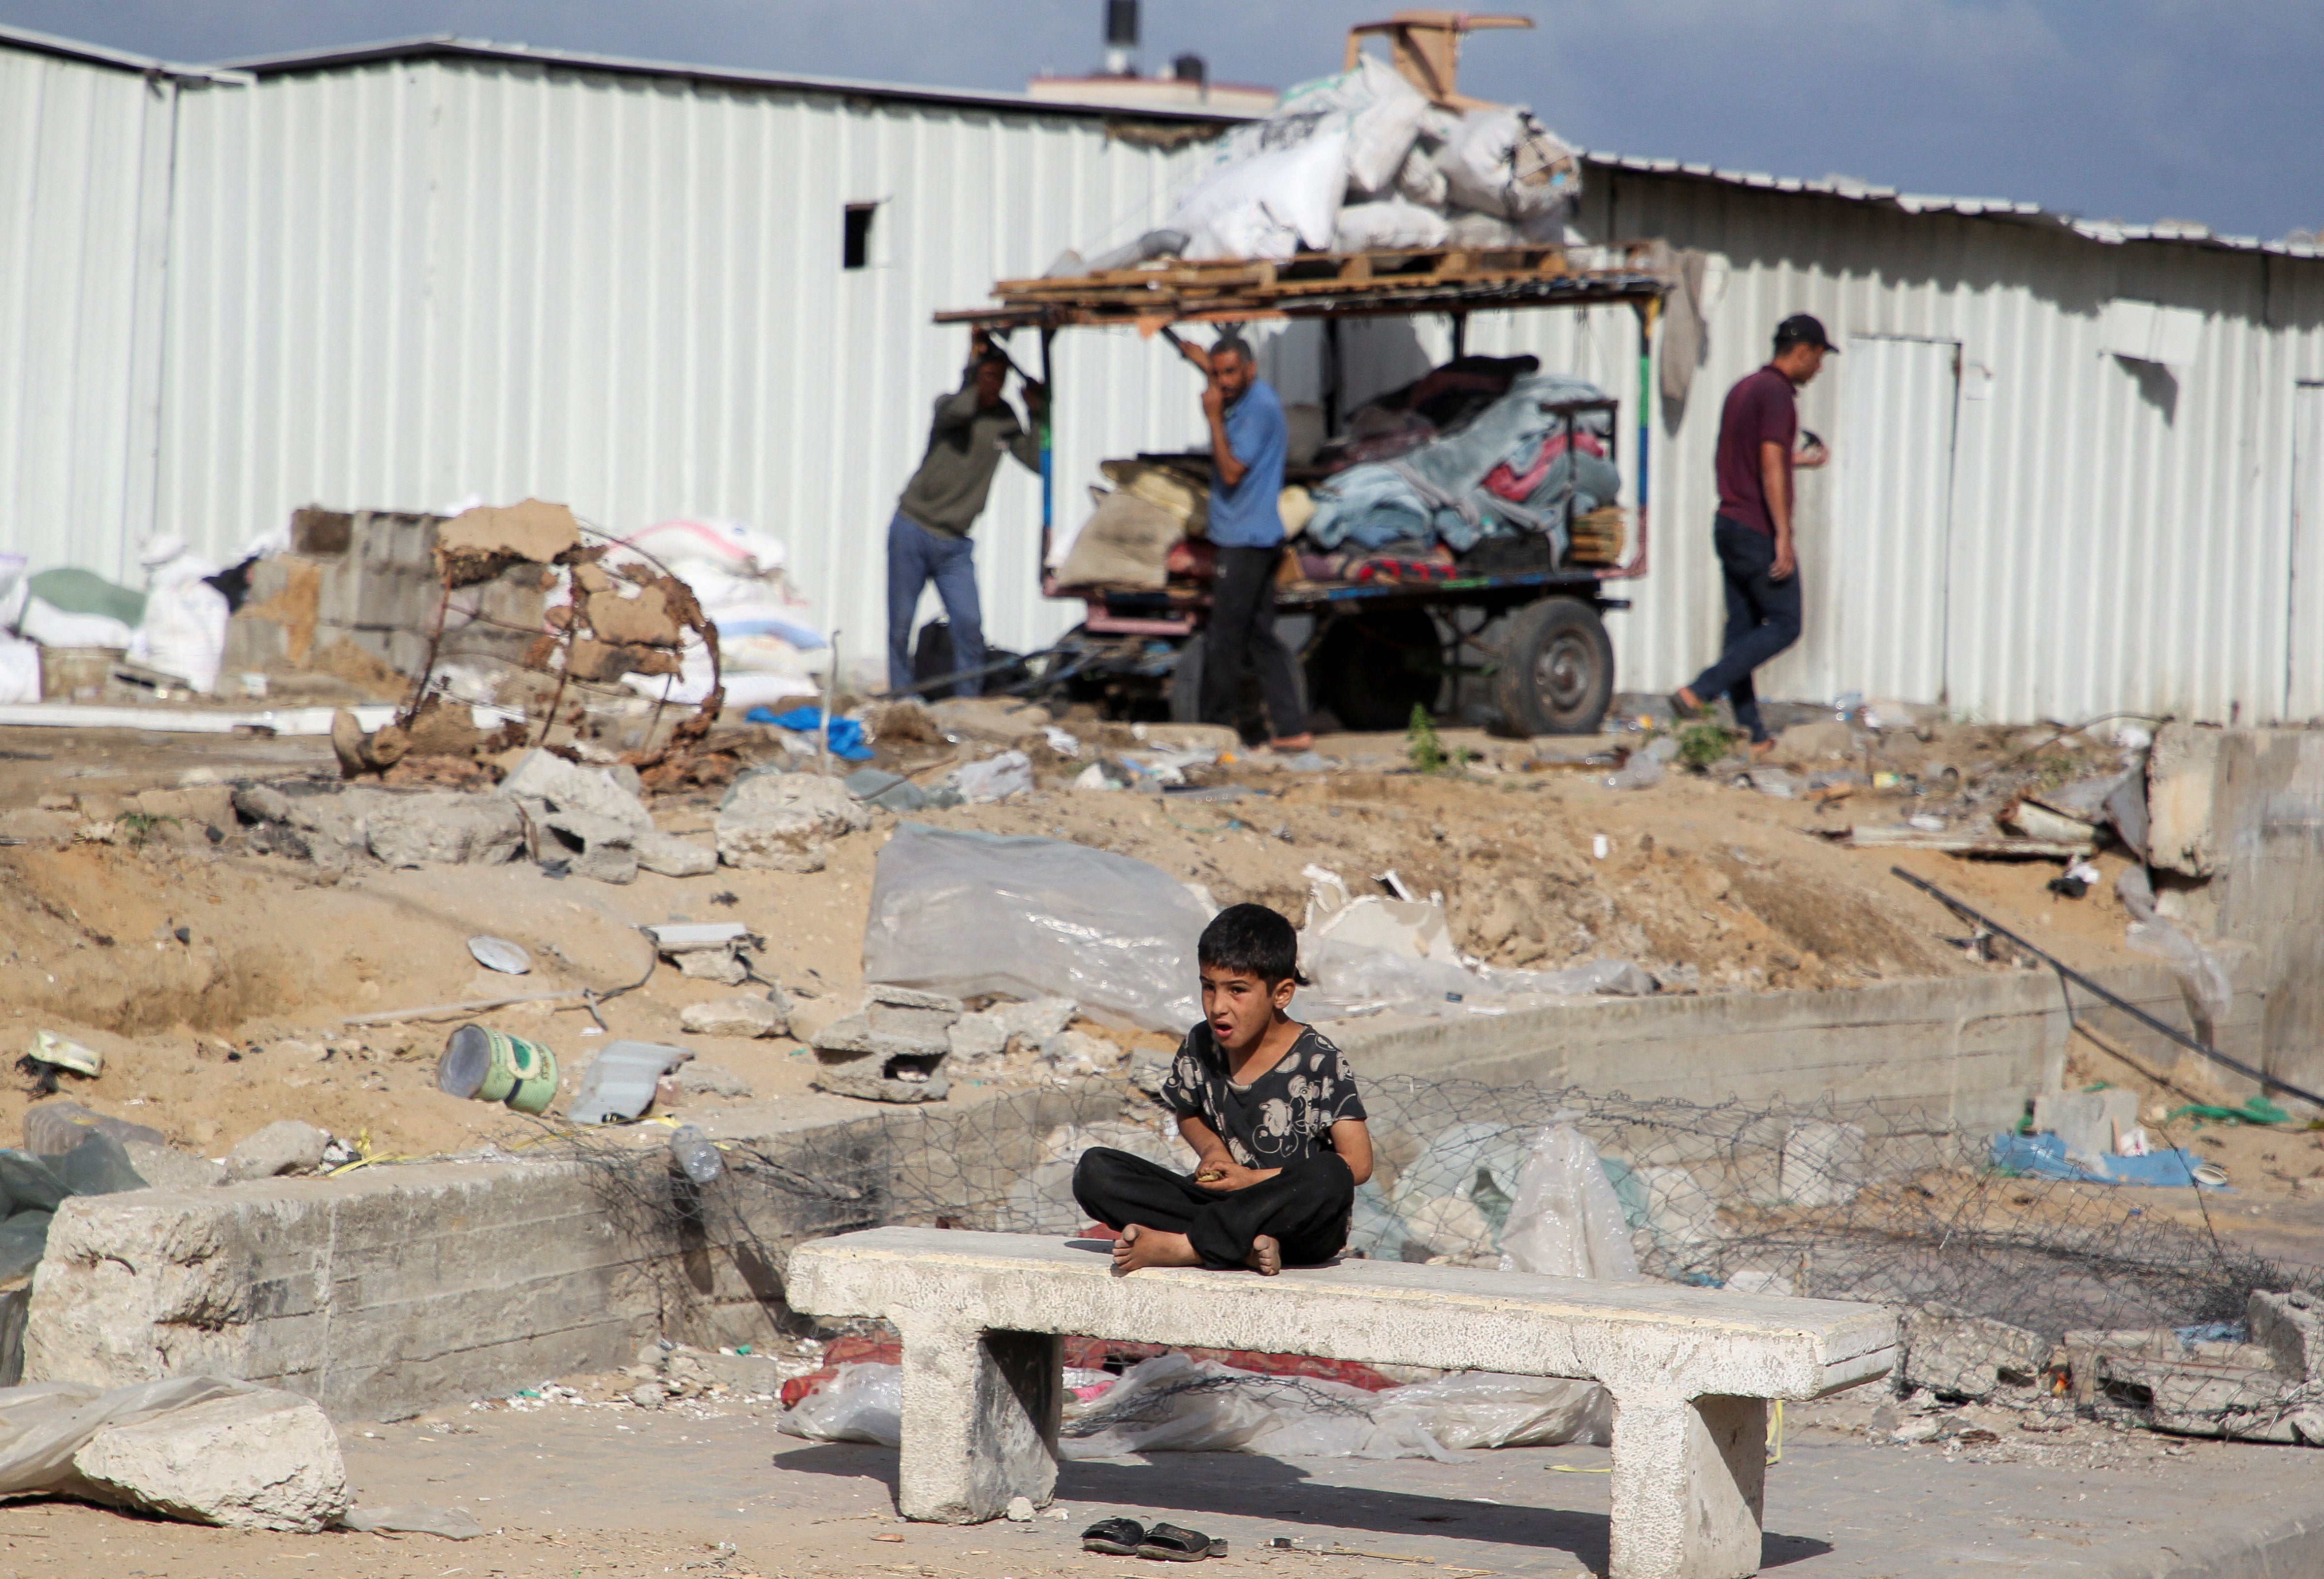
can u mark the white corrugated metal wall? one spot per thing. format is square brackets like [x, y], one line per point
[402, 283]
[397, 284]
[83, 160]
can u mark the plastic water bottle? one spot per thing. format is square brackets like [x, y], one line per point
[695, 1155]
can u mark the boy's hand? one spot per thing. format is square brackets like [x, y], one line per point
[1223, 1174]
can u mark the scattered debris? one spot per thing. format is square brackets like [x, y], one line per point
[56, 1052]
[484, 1065]
[498, 954]
[890, 1050]
[749, 1016]
[620, 1084]
[284, 1146]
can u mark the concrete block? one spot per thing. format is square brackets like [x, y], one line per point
[873, 1080]
[672, 856]
[1967, 1356]
[709, 1080]
[598, 846]
[284, 1146]
[2182, 787]
[751, 1016]
[265, 1460]
[780, 822]
[711, 964]
[2291, 1327]
[323, 533]
[197, 807]
[977, 1035]
[165, 1167]
[1822, 1164]
[2086, 1121]
[1037, 1020]
[1690, 1370]
[440, 826]
[569, 787]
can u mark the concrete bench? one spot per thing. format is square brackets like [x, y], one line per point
[1690, 1369]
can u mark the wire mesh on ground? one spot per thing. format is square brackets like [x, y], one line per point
[1820, 1199]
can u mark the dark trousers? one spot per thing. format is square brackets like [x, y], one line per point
[1763, 618]
[1305, 1207]
[916, 557]
[1242, 631]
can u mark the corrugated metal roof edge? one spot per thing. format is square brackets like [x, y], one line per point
[48, 43]
[2106, 232]
[442, 45]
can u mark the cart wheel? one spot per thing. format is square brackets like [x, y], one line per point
[1556, 669]
[1372, 669]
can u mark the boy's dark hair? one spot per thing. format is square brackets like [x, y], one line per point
[1252, 938]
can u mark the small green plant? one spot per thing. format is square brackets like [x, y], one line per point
[1427, 748]
[1701, 744]
[137, 826]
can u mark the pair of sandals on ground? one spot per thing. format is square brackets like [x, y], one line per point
[1126, 1537]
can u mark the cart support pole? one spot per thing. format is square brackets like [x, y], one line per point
[1048, 458]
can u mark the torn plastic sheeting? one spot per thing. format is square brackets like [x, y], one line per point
[996, 777]
[1177, 1403]
[2044, 1157]
[285, 721]
[845, 735]
[1566, 1221]
[963, 912]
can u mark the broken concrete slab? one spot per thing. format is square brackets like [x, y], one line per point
[781, 822]
[569, 787]
[712, 964]
[167, 1168]
[977, 1035]
[747, 1016]
[1077, 1052]
[1034, 1022]
[2183, 783]
[672, 856]
[710, 1080]
[284, 1146]
[2291, 1327]
[1957, 1355]
[870, 1080]
[441, 826]
[259, 1460]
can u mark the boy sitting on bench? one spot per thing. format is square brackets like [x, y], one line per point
[1271, 1111]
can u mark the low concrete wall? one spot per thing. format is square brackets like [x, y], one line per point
[1963, 1054]
[392, 1289]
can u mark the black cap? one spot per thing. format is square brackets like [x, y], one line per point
[1803, 328]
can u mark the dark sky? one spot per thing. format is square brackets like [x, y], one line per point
[2124, 109]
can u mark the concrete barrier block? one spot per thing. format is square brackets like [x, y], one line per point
[249, 1461]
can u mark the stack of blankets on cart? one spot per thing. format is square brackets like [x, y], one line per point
[1465, 454]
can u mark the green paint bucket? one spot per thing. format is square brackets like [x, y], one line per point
[491, 1066]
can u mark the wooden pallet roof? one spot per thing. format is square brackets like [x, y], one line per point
[1366, 284]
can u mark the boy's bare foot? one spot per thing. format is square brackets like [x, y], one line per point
[1760, 748]
[1689, 703]
[1150, 1247]
[1292, 743]
[1266, 1256]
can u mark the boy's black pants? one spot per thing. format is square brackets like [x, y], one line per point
[1305, 1207]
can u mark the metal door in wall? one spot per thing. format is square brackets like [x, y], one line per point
[1873, 564]
[2303, 676]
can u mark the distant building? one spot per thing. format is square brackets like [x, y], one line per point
[2078, 467]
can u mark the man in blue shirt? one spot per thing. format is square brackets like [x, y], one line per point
[1247, 444]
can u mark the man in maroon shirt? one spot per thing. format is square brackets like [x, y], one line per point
[1759, 447]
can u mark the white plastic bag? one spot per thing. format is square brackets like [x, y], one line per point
[1501, 161]
[963, 912]
[19, 670]
[862, 1402]
[1269, 206]
[1388, 222]
[1565, 1222]
[184, 630]
[996, 777]
[1420, 182]
[1483, 1408]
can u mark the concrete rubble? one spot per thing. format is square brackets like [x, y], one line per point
[284, 1146]
[784, 822]
[891, 1049]
[764, 1015]
[259, 1460]
[1961, 1356]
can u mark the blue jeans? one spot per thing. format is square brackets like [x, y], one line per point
[1763, 618]
[916, 557]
